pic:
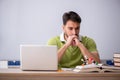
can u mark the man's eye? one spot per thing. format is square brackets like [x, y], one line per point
[70, 28]
[77, 28]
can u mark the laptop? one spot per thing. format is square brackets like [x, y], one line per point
[38, 57]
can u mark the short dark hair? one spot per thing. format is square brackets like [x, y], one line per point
[71, 15]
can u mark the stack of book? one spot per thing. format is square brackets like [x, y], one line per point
[116, 59]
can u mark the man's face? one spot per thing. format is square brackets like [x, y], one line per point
[71, 28]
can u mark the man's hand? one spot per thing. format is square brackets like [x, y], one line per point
[72, 40]
[77, 42]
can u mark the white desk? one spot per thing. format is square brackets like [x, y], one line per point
[17, 74]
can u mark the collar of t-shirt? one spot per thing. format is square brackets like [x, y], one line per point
[62, 39]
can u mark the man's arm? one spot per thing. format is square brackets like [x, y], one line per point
[85, 51]
[62, 50]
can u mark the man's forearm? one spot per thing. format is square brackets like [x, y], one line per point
[85, 52]
[61, 52]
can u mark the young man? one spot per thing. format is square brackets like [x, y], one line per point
[73, 47]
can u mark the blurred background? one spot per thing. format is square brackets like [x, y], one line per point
[36, 21]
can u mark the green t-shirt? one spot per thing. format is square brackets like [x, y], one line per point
[72, 56]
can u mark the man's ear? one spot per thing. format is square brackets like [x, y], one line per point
[63, 28]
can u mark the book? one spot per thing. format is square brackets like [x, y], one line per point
[117, 64]
[117, 55]
[116, 59]
[9, 64]
[96, 68]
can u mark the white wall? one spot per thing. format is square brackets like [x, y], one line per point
[35, 21]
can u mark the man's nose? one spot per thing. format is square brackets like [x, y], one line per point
[74, 32]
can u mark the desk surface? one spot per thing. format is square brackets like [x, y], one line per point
[10, 74]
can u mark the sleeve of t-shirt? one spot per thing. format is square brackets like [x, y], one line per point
[91, 45]
[52, 41]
